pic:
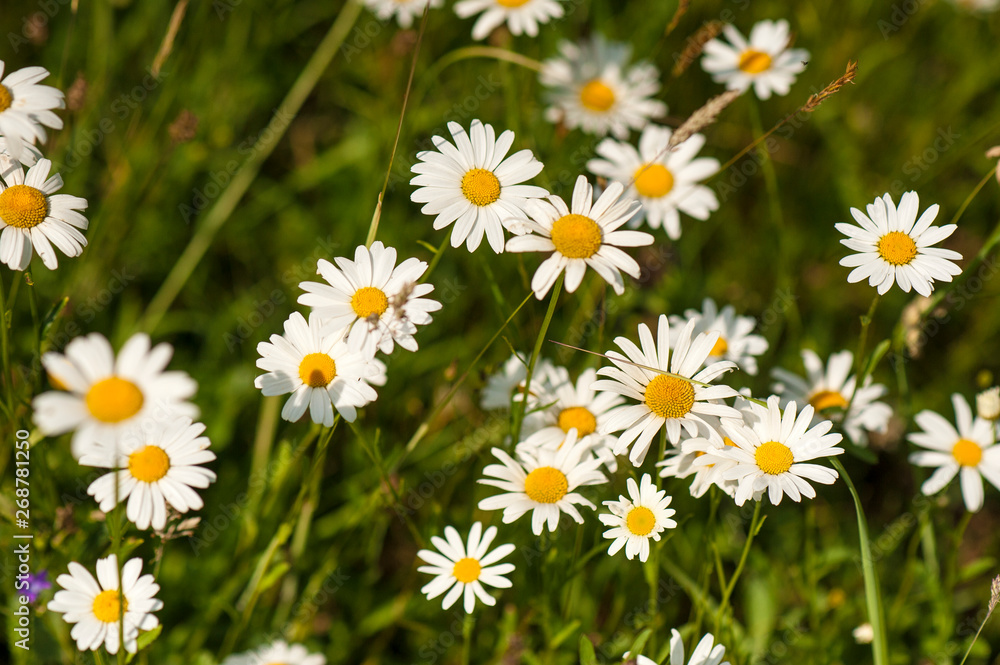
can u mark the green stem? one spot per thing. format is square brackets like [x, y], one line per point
[728, 591]
[434, 261]
[866, 321]
[467, 625]
[873, 596]
[975, 637]
[8, 378]
[523, 404]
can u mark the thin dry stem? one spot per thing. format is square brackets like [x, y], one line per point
[168, 40]
[695, 44]
[682, 8]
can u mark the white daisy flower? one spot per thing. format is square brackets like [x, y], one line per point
[277, 653]
[521, 16]
[585, 235]
[465, 567]
[663, 400]
[704, 654]
[988, 404]
[507, 384]
[375, 302]
[637, 518]
[969, 452]
[830, 390]
[29, 156]
[736, 341]
[679, 462]
[594, 88]
[771, 453]
[542, 482]
[765, 62]
[106, 398]
[895, 246]
[320, 371]
[32, 215]
[156, 468]
[405, 11]
[25, 107]
[664, 181]
[95, 605]
[472, 185]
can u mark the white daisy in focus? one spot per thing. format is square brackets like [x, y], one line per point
[26, 108]
[375, 302]
[465, 567]
[521, 16]
[542, 482]
[969, 452]
[104, 398]
[405, 11]
[830, 390]
[895, 247]
[584, 235]
[157, 466]
[96, 605]
[663, 400]
[704, 654]
[637, 518]
[664, 181]
[679, 462]
[594, 88]
[772, 452]
[736, 341]
[33, 216]
[320, 371]
[277, 653]
[474, 185]
[765, 62]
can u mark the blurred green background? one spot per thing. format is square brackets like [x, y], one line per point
[336, 570]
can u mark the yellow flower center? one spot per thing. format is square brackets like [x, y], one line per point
[774, 458]
[113, 400]
[640, 521]
[481, 187]
[512, 3]
[669, 397]
[576, 236]
[653, 181]
[827, 399]
[149, 464]
[367, 301]
[967, 453]
[578, 417]
[467, 570]
[22, 206]
[754, 62]
[317, 370]
[107, 606]
[720, 347]
[6, 98]
[897, 248]
[546, 485]
[596, 96]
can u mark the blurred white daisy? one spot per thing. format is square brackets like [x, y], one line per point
[507, 384]
[521, 16]
[542, 482]
[664, 400]
[736, 341]
[583, 235]
[29, 156]
[665, 182]
[895, 246]
[637, 518]
[982, 6]
[32, 215]
[830, 390]
[988, 404]
[372, 300]
[704, 654]
[465, 567]
[765, 62]
[158, 466]
[969, 452]
[772, 451]
[26, 107]
[474, 185]
[593, 87]
[679, 462]
[96, 605]
[277, 653]
[320, 371]
[405, 11]
[105, 398]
